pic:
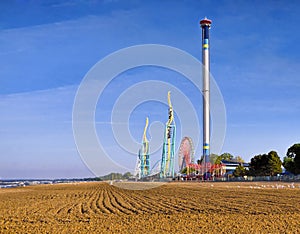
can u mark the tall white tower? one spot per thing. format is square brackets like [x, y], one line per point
[205, 25]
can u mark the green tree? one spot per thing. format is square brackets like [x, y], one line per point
[292, 160]
[127, 175]
[214, 158]
[112, 176]
[238, 159]
[240, 171]
[275, 163]
[265, 164]
[289, 164]
[257, 165]
[224, 156]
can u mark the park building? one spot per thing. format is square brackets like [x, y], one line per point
[228, 167]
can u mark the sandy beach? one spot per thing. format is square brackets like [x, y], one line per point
[171, 208]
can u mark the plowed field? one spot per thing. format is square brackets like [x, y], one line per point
[171, 208]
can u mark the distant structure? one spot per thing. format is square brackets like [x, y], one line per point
[168, 153]
[228, 167]
[143, 160]
[205, 25]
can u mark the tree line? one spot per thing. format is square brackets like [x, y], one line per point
[268, 164]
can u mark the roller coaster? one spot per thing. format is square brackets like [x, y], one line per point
[143, 160]
[165, 167]
[168, 153]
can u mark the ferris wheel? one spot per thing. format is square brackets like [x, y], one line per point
[186, 153]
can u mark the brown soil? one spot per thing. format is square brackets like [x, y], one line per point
[170, 208]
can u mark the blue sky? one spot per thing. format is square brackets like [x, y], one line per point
[47, 47]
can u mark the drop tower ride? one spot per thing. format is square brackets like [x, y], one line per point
[205, 25]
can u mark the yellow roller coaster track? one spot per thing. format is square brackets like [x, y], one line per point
[171, 116]
[145, 140]
[170, 121]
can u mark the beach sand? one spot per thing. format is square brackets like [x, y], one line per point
[181, 207]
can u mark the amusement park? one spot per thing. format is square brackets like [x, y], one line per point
[189, 168]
